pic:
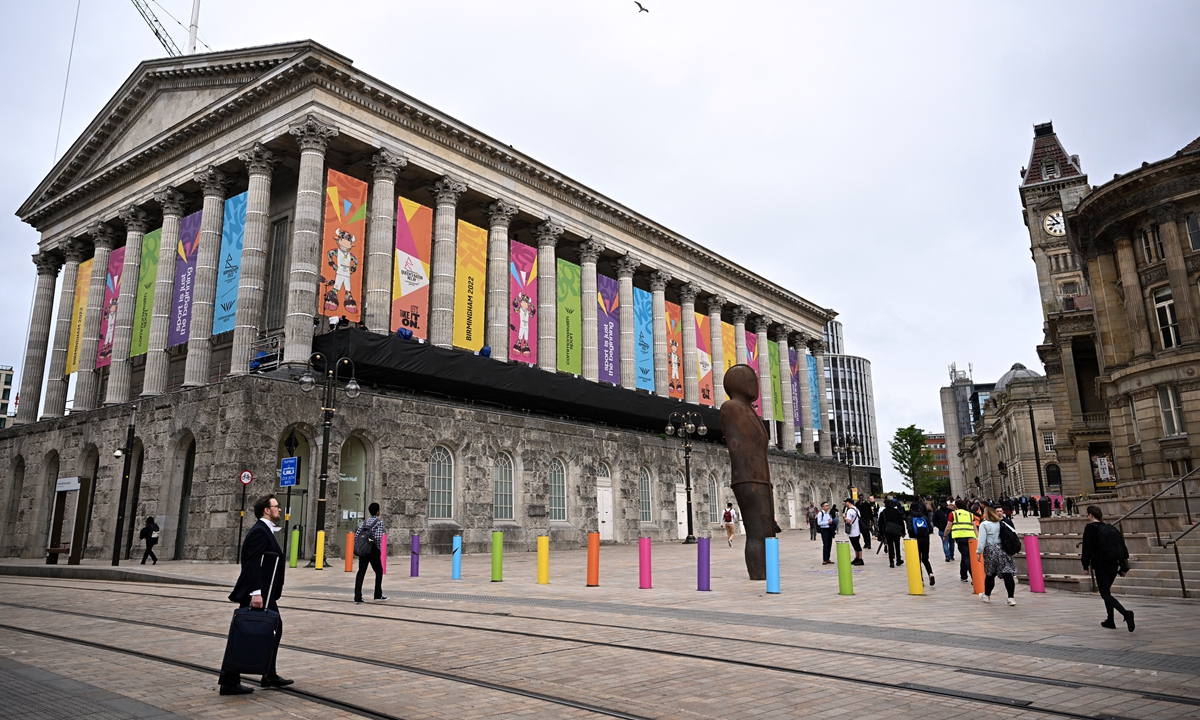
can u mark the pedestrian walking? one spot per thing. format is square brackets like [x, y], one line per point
[827, 524]
[149, 533]
[729, 517]
[893, 531]
[853, 530]
[1104, 552]
[996, 561]
[812, 520]
[368, 542]
[921, 527]
[866, 520]
[262, 571]
[941, 521]
[1024, 506]
[962, 529]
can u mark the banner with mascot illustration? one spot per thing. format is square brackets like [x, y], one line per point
[674, 351]
[523, 300]
[108, 310]
[410, 272]
[608, 329]
[704, 358]
[569, 338]
[470, 285]
[343, 247]
[143, 309]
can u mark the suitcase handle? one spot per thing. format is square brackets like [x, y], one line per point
[271, 587]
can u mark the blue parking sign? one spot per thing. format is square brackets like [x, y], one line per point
[287, 471]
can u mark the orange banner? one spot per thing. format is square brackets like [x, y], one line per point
[674, 351]
[343, 246]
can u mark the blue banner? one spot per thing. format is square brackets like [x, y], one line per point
[814, 392]
[229, 266]
[643, 338]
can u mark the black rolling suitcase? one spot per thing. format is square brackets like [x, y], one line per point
[252, 636]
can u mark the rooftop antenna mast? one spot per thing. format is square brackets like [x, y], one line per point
[160, 32]
[193, 27]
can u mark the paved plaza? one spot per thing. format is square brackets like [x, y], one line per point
[439, 648]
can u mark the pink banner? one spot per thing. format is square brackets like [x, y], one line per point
[108, 311]
[752, 361]
[523, 299]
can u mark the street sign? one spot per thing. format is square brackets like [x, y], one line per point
[246, 477]
[287, 471]
[66, 484]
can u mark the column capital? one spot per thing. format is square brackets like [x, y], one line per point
[740, 313]
[386, 164]
[659, 280]
[782, 333]
[547, 232]
[103, 237]
[136, 219]
[75, 250]
[312, 134]
[1165, 213]
[626, 265]
[171, 201]
[800, 341]
[212, 181]
[258, 159]
[448, 190]
[47, 263]
[589, 251]
[816, 347]
[761, 324]
[501, 213]
[687, 293]
[715, 303]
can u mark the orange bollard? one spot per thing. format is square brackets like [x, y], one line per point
[348, 551]
[593, 560]
[976, 568]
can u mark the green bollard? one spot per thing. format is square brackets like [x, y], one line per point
[845, 577]
[497, 556]
[294, 551]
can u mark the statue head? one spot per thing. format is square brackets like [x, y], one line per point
[741, 382]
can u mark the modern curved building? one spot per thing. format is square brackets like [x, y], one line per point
[851, 397]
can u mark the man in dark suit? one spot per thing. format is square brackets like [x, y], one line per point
[262, 558]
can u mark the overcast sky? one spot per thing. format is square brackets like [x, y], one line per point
[862, 154]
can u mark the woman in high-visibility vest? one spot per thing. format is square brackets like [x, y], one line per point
[962, 529]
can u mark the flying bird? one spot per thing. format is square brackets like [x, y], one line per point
[641, 8]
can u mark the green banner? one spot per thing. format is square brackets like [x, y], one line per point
[776, 381]
[144, 308]
[570, 323]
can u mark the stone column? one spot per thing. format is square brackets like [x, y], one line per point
[626, 265]
[87, 383]
[154, 380]
[717, 343]
[120, 370]
[260, 163]
[739, 333]
[691, 363]
[1166, 216]
[204, 296]
[381, 241]
[39, 337]
[1066, 352]
[589, 253]
[446, 193]
[547, 234]
[313, 136]
[56, 382]
[500, 215]
[818, 351]
[658, 286]
[806, 438]
[1135, 305]
[765, 396]
[785, 388]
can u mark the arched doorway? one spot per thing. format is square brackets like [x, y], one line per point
[186, 468]
[12, 509]
[352, 487]
[133, 519]
[1053, 479]
[294, 443]
[91, 466]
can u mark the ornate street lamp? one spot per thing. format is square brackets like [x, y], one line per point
[685, 424]
[308, 381]
[847, 446]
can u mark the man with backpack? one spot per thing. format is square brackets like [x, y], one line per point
[866, 520]
[729, 517]
[853, 530]
[812, 520]
[920, 527]
[368, 540]
[1104, 552]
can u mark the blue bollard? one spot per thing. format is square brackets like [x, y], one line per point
[773, 566]
[456, 561]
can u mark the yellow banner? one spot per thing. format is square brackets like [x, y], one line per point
[82, 284]
[470, 270]
[728, 347]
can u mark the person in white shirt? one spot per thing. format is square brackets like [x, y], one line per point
[827, 525]
[730, 518]
[850, 516]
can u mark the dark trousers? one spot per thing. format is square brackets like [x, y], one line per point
[923, 552]
[376, 562]
[229, 678]
[812, 531]
[866, 535]
[893, 548]
[964, 555]
[149, 554]
[989, 584]
[826, 543]
[947, 544]
[1104, 580]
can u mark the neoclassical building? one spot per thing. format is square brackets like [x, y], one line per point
[520, 339]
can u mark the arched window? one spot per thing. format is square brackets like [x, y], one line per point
[644, 512]
[1054, 478]
[602, 471]
[352, 486]
[558, 490]
[714, 501]
[502, 477]
[441, 484]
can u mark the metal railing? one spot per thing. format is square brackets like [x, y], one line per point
[1174, 543]
[1154, 512]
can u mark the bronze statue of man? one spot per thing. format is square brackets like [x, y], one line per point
[750, 475]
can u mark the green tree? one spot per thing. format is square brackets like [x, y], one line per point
[912, 458]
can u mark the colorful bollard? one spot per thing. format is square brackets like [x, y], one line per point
[319, 560]
[845, 573]
[644, 563]
[976, 567]
[497, 556]
[702, 564]
[773, 566]
[383, 553]
[294, 550]
[456, 559]
[1033, 564]
[543, 560]
[593, 560]
[348, 551]
[414, 556]
[912, 560]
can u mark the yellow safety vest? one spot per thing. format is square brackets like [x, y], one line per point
[962, 525]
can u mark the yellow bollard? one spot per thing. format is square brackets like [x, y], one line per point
[543, 560]
[320, 559]
[912, 560]
[348, 552]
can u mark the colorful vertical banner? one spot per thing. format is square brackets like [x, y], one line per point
[776, 381]
[728, 345]
[608, 329]
[343, 245]
[108, 309]
[643, 338]
[752, 361]
[470, 285]
[570, 323]
[229, 266]
[814, 393]
[523, 300]
[78, 311]
[704, 359]
[674, 351]
[143, 309]
[185, 279]
[410, 275]
[794, 382]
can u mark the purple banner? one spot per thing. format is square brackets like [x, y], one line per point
[608, 329]
[185, 279]
[794, 366]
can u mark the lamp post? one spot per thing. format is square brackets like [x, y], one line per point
[685, 424]
[127, 453]
[1037, 456]
[847, 445]
[308, 381]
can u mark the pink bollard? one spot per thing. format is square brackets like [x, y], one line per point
[1033, 562]
[644, 563]
[383, 553]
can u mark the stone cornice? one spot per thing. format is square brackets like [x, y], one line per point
[1102, 217]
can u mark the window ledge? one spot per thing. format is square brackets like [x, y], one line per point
[649, 527]
[506, 525]
[444, 522]
[562, 524]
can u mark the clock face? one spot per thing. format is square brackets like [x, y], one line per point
[1055, 225]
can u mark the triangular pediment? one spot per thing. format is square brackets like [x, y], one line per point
[163, 110]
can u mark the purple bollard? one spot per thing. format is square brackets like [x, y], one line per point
[702, 564]
[414, 568]
[1033, 563]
